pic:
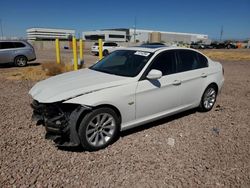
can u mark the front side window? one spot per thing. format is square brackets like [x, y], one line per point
[6, 45]
[127, 63]
[165, 62]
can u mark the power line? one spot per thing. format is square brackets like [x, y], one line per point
[135, 31]
[1, 27]
[221, 32]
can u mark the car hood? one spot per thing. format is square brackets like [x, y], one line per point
[72, 84]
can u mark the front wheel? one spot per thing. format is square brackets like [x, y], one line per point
[208, 99]
[98, 129]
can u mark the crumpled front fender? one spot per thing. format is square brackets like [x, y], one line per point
[73, 122]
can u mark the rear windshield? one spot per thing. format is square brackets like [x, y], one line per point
[19, 44]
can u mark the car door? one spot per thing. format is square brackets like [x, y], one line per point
[159, 97]
[114, 46]
[110, 46]
[192, 72]
[6, 52]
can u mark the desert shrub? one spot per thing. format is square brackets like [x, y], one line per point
[53, 69]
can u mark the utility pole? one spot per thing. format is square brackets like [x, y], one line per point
[1, 28]
[221, 32]
[135, 31]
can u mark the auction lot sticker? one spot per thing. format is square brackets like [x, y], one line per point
[146, 54]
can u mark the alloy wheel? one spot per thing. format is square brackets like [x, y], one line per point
[21, 61]
[100, 129]
[209, 98]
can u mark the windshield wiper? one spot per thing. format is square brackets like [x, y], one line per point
[103, 70]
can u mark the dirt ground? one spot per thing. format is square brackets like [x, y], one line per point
[191, 149]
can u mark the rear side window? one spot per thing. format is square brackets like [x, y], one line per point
[6, 45]
[190, 60]
[109, 44]
[106, 44]
[203, 62]
[165, 62]
[113, 44]
[19, 44]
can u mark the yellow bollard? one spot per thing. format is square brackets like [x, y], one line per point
[58, 59]
[75, 53]
[81, 49]
[100, 49]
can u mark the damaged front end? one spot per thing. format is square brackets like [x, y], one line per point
[60, 121]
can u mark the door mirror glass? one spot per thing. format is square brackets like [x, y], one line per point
[154, 74]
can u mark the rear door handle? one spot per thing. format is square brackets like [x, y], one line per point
[203, 75]
[177, 82]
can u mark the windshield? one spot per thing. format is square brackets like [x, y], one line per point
[123, 62]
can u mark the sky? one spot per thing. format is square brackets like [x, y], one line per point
[190, 16]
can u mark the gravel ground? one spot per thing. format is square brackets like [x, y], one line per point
[188, 150]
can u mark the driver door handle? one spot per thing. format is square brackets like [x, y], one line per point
[177, 82]
[203, 75]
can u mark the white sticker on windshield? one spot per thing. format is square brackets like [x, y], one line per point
[146, 54]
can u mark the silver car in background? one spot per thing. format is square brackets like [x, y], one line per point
[19, 52]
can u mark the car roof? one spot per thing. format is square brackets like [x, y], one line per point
[105, 42]
[13, 41]
[109, 42]
[154, 48]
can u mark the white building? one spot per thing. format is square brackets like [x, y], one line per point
[168, 37]
[141, 35]
[49, 34]
[106, 35]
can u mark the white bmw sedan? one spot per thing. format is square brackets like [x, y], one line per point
[128, 88]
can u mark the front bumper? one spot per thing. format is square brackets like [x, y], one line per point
[60, 122]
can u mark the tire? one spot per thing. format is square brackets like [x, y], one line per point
[94, 136]
[105, 53]
[208, 99]
[21, 61]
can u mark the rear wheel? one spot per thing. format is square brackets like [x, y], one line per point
[105, 52]
[98, 129]
[21, 61]
[208, 99]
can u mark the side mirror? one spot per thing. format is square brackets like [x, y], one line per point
[154, 74]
